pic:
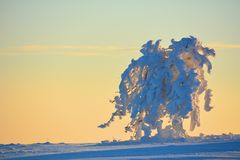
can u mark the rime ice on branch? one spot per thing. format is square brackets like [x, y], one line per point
[164, 82]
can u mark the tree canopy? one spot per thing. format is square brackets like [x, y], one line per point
[164, 82]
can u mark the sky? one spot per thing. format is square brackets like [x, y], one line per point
[61, 62]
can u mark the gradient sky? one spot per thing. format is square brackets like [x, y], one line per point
[61, 61]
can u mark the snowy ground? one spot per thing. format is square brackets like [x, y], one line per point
[213, 147]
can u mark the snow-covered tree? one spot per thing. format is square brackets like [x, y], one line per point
[164, 82]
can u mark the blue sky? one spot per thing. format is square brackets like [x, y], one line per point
[125, 23]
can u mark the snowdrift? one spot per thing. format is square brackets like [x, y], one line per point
[205, 147]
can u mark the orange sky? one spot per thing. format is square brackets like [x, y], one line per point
[60, 63]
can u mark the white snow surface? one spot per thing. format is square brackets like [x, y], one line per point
[205, 147]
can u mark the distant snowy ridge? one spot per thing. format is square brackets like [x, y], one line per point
[214, 146]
